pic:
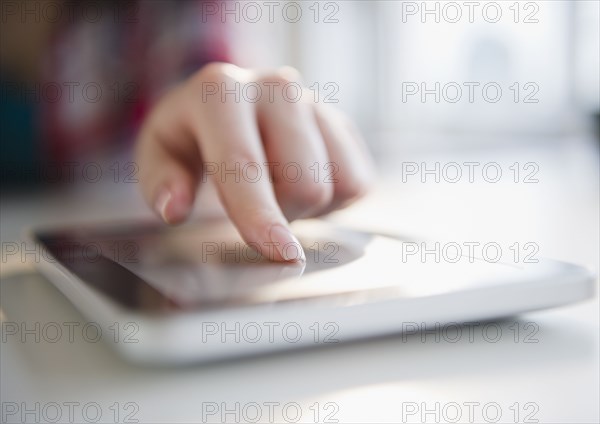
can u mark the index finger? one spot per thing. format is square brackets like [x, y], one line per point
[230, 142]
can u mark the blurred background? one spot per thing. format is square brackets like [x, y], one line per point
[77, 78]
[511, 83]
[376, 50]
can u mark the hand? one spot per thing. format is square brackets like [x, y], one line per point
[273, 159]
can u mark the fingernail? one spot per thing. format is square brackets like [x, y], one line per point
[286, 244]
[162, 202]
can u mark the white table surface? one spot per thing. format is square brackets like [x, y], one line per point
[556, 378]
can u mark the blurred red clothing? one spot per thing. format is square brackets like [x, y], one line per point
[111, 67]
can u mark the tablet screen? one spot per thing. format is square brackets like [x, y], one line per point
[207, 265]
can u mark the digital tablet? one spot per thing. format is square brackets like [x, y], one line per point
[197, 292]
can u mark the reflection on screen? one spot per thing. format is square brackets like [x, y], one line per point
[208, 265]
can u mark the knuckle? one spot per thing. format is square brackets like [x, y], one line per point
[275, 82]
[215, 72]
[282, 77]
[239, 158]
[312, 196]
[289, 73]
[352, 187]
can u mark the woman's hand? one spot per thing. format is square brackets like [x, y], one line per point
[273, 159]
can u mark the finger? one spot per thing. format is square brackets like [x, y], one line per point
[350, 170]
[169, 163]
[294, 147]
[229, 140]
